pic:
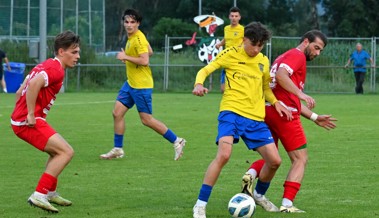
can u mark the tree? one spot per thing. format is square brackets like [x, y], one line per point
[280, 17]
[173, 27]
[354, 18]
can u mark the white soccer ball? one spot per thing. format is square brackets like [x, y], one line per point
[241, 205]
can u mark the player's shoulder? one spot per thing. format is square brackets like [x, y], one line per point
[292, 53]
[139, 38]
[49, 65]
[262, 58]
[140, 35]
[230, 50]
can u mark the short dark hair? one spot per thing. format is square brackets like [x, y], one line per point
[65, 40]
[234, 9]
[133, 14]
[313, 34]
[257, 33]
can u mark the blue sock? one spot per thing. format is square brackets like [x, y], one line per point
[118, 140]
[261, 187]
[205, 192]
[170, 136]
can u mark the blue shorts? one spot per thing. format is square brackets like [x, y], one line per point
[129, 96]
[254, 133]
[223, 75]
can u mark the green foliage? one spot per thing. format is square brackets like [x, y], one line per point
[149, 183]
[355, 18]
[173, 27]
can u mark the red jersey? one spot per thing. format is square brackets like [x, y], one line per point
[294, 61]
[53, 72]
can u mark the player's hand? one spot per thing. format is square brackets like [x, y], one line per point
[311, 103]
[217, 46]
[326, 121]
[199, 90]
[121, 56]
[30, 120]
[283, 110]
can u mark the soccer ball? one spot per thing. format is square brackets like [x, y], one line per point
[241, 205]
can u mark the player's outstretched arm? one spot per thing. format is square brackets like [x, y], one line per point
[325, 121]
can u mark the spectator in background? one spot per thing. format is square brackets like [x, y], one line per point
[359, 58]
[3, 55]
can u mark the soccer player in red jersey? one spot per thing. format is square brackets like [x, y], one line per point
[288, 74]
[34, 99]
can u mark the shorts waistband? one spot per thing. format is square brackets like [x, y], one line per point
[23, 123]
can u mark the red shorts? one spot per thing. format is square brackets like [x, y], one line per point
[37, 135]
[290, 133]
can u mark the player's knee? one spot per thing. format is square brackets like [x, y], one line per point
[146, 121]
[69, 152]
[117, 115]
[303, 159]
[223, 157]
[275, 163]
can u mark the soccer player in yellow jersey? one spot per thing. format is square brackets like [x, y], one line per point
[233, 36]
[242, 110]
[137, 90]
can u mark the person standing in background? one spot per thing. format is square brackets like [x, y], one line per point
[3, 55]
[359, 58]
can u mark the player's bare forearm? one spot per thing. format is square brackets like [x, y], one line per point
[282, 77]
[142, 59]
[34, 86]
[19, 90]
[150, 51]
[325, 121]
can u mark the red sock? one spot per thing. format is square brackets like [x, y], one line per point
[54, 187]
[291, 189]
[46, 183]
[257, 166]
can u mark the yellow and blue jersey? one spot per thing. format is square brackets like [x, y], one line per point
[138, 76]
[247, 82]
[233, 36]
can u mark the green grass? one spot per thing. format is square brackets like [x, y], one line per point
[341, 179]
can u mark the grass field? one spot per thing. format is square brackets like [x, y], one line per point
[342, 178]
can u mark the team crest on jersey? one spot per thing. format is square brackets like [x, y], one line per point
[235, 33]
[261, 66]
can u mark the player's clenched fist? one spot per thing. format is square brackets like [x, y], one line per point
[199, 90]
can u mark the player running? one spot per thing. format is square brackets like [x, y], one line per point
[289, 73]
[137, 90]
[242, 110]
[35, 98]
